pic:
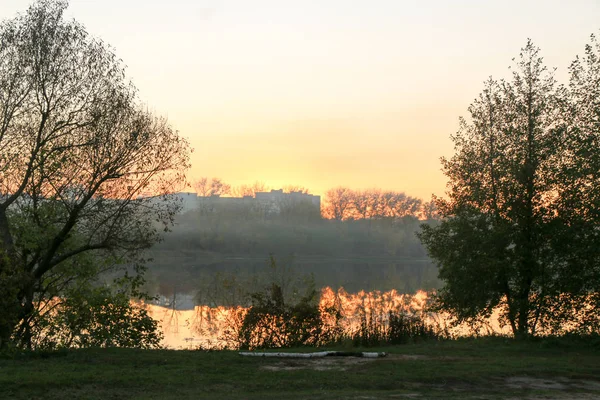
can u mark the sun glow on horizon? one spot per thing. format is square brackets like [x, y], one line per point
[325, 94]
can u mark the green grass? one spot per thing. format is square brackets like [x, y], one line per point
[475, 368]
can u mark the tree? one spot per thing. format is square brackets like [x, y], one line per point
[343, 204]
[249, 190]
[364, 203]
[396, 205]
[520, 223]
[295, 189]
[285, 313]
[211, 187]
[76, 151]
[338, 203]
[429, 211]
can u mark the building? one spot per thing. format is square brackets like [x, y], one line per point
[189, 201]
[275, 202]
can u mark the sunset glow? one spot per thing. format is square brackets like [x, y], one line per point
[321, 94]
[214, 327]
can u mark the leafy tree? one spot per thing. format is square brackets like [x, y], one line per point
[76, 151]
[429, 211]
[85, 314]
[520, 228]
[283, 314]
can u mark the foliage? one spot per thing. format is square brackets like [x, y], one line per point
[520, 228]
[279, 319]
[77, 152]
[96, 317]
[270, 323]
[289, 312]
[397, 328]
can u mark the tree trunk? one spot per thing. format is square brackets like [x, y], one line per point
[25, 317]
[524, 308]
[9, 281]
[12, 280]
[9, 306]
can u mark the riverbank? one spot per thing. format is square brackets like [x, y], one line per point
[493, 368]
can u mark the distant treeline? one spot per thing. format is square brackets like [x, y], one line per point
[346, 204]
[339, 203]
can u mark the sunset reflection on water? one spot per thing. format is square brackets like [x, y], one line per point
[215, 327]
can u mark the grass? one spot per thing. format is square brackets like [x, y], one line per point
[473, 368]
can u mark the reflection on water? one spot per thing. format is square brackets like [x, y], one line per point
[216, 327]
[202, 327]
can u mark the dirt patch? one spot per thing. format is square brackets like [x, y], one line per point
[555, 387]
[560, 383]
[410, 357]
[318, 364]
[524, 382]
[343, 363]
[415, 357]
[560, 396]
[587, 385]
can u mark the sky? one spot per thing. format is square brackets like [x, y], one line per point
[325, 93]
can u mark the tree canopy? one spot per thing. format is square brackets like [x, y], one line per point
[520, 228]
[346, 204]
[77, 151]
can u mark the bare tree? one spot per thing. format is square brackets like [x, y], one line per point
[338, 203]
[365, 203]
[249, 190]
[397, 205]
[212, 187]
[343, 204]
[295, 189]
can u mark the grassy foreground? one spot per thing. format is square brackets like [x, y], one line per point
[476, 368]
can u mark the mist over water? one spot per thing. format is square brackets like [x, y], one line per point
[221, 250]
[406, 276]
[236, 245]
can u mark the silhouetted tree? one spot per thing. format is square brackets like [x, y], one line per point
[520, 227]
[76, 150]
[430, 211]
[295, 188]
[343, 204]
[211, 187]
[396, 205]
[365, 203]
[337, 203]
[249, 190]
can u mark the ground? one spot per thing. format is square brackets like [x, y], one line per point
[467, 369]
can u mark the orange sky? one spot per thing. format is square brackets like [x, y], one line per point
[322, 93]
